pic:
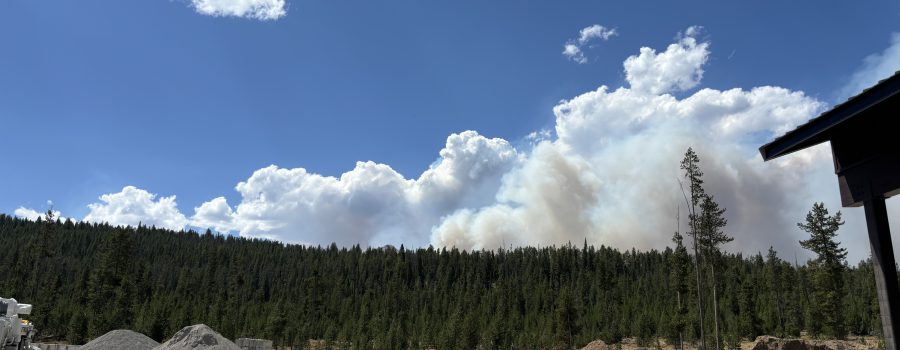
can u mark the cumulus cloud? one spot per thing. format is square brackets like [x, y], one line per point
[573, 52]
[678, 68]
[298, 206]
[133, 206]
[693, 31]
[874, 68]
[608, 173]
[254, 9]
[370, 204]
[574, 49]
[215, 214]
[33, 215]
[595, 31]
[611, 175]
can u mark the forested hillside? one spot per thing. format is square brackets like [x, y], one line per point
[85, 279]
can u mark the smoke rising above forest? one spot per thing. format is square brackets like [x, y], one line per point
[607, 173]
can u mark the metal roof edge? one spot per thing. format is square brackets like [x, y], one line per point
[785, 144]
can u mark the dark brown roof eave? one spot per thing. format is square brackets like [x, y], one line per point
[815, 131]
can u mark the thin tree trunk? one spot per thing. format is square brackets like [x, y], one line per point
[678, 312]
[678, 292]
[692, 216]
[780, 297]
[715, 306]
[699, 293]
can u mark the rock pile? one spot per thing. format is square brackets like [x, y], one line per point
[121, 339]
[596, 345]
[765, 342]
[253, 344]
[197, 337]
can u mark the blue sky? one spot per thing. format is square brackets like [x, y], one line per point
[99, 95]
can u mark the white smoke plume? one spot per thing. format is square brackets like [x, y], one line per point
[611, 175]
[608, 175]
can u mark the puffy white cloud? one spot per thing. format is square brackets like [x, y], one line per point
[595, 31]
[574, 49]
[254, 9]
[596, 119]
[573, 52]
[215, 214]
[133, 206]
[371, 204]
[33, 215]
[28, 213]
[468, 173]
[693, 31]
[875, 67]
[678, 68]
[297, 206]
[609, 176]
[536, 137]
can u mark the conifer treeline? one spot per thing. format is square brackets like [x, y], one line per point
[85, 279]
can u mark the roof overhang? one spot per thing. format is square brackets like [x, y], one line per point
[821, 128]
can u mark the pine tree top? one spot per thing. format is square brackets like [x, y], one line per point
[823, 228]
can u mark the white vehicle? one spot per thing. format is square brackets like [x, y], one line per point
[14, 331]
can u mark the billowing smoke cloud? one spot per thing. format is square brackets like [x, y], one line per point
[547, 200]
[609, 176]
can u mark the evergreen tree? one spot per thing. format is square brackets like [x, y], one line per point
[77, 328]
[827, 268]
[691, 166]
[711, 224]
[775, 318]
[566, 318]
[679, 264]
[409, 298]
[748, 320]
[276, 323]
[111, 289]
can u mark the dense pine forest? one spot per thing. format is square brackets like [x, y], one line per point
[85, 279]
